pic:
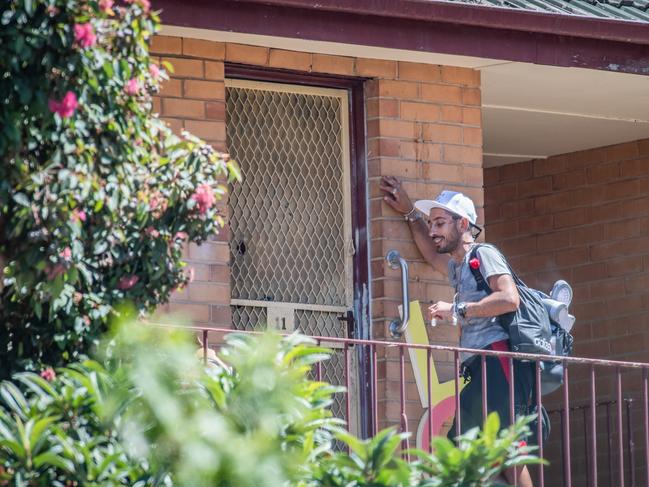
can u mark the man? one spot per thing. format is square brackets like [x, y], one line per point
[445, 241]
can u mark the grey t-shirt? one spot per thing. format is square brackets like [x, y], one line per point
[477, 332]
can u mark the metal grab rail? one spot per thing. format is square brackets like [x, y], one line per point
[398, 326]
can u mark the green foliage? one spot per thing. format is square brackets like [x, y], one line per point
[479, 456]
[158, 417]
[97, 197]
[476, 461]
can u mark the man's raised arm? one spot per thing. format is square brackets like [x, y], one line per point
[397, 198]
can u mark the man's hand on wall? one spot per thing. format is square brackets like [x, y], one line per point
[395, 195]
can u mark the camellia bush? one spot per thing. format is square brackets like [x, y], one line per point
[97, 196]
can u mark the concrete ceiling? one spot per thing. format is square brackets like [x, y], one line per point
[532, 111]
[529, 111]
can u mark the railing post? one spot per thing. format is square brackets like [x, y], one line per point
[566, 428]
[539, 425]
[620, 431]
[593, 427]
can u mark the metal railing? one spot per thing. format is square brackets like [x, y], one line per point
[617, 470]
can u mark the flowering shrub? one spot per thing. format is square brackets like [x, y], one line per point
[97, 196]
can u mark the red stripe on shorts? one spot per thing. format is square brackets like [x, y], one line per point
[503, 346]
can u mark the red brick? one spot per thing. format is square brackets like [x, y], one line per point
[290, 60]
[419, 72]
[379, 68]
[171, 87]
[460, 76]
[186, 68]
[534, 187]
[635, 168]
[451, 114]
[206, 90]
[555, 240]
[206, 130]
[397, 128]
[442, 172]
[471, 96]
[569, 180]
[449, 134]
[166, 45]
[536, 224]
[398, 89]
[622, 152]
[441, 93]
[203, 49]
[571, 218]
[178, 107]
[215, 293]
[545, 167]
[156, 104]
[472, 136]
[210, 252]
[419, 111]
[462, 154]
[215, 110]
[603, 173]
[404, 168]
[240, 53]
[511, 172]
[472, 116]
[324, 63]
[214, 70]
[174, 124]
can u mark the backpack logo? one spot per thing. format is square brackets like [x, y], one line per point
[543, 343]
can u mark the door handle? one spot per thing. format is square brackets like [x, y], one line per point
[398, 326]
[348, 318]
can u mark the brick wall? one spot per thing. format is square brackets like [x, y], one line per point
[423, 125]
[584, 217]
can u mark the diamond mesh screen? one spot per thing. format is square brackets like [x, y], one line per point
[287, 217]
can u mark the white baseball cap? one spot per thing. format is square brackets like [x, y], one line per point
[453, 202]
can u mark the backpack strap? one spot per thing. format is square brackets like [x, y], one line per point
[477, 275]
[482, 283]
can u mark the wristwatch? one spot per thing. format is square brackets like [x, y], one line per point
[461, 309]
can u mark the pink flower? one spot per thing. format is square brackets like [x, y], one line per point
[66, 107]
[78, 215]
[474, 263]
[204, 197]
[522, 444]
[48, 374]
[152, 232]
[106, 6]
[66, 253]
[127, 282]
[84, 34]
[180, 236]
[154, 71]
[132, 87]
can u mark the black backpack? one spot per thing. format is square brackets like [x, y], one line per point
[530, 328]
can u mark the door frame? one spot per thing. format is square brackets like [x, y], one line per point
[359, 210]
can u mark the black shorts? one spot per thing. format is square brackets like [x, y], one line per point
[497, 390]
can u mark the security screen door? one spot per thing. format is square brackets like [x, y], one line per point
[291, 240]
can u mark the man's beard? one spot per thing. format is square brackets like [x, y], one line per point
[453, 241]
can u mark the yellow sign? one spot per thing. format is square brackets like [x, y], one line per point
[442, 393]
